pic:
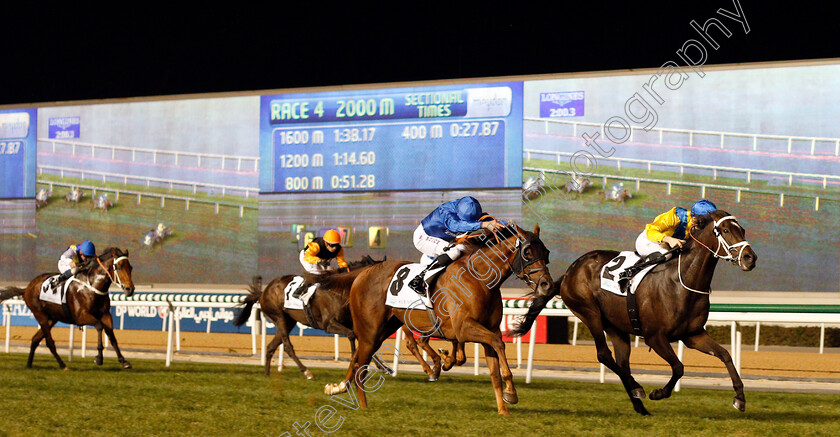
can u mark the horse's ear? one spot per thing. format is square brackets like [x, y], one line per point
[537, 229]
[126, 252]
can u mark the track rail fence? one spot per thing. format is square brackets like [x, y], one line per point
[691, 136]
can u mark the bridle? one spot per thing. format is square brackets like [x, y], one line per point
[728, 249]
[116, 278]
[520, 264]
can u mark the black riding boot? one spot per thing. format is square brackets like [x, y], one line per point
[418, 284]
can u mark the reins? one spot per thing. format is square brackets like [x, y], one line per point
[722, 243]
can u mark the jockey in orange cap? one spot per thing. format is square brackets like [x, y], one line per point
[318, 254]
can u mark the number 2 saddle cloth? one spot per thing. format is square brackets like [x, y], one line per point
[611, 271]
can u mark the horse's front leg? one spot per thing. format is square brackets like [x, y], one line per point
[99, 346]
[108, 326]
[663, 348]
[703, 342]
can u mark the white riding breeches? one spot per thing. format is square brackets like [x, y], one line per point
[313, 268]
[64, 265]
[432, 247]
[645, 247]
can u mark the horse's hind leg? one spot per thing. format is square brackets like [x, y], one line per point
[108, 326]
[36, 339]
[284, 324]
[621, 349]
[436, 366]
[593, 322]
[269, 351]
[663, 348]
[704, 343]
[411, 344]
[47, 330]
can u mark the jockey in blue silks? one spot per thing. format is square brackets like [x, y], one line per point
[439, 229]
[74, 257]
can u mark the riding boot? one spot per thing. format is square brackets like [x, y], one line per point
[418, 284]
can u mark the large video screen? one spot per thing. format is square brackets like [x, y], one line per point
[442, 137]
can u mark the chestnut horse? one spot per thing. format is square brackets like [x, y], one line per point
[466, 299]
[673, 303]
[87, 302]
[329, 308]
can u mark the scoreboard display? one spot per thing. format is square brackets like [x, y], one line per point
[18, 133]
[447, 137]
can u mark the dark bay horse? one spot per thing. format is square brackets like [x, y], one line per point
[466, 300]
[329, 306]
[673, 304]
[87, 301]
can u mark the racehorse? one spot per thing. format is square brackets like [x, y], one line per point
[42, 198]
[87, 302]
[75, 195]
[577, 185]
[672, 301]
[617, 193]
[102, 203]
[466, 299]
[329, 309]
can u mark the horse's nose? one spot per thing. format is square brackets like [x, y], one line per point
[544, 285]
[750, 259]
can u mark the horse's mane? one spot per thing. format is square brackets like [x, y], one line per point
[342, 281]
[699, 223]
[490, 239]
[107, 254]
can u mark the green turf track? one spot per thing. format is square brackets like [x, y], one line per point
[226, 400]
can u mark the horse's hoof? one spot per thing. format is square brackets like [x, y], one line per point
[334, 389]
[510, 398]
[657, 394]
[638, 393]
[97, 361]
[739, 405]
[432, 378]
[126, 365]
[308, 374]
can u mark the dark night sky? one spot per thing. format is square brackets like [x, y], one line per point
[85, 53]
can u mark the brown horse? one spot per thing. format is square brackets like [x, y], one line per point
[87, 302]
[673, 304]
[466, 299]
[329, 308]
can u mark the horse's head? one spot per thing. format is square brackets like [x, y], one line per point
[721, 234]
[119, 269]
[529, 260]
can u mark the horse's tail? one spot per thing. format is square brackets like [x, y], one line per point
[11, 292]
[255, 292]
[538, 303]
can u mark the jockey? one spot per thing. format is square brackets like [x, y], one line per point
[670, 228]
[615, 191]
[161, 230]
[439, 228]
[73, 257]
[320, 251]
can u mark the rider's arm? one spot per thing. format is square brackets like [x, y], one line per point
[663, 226]
[311, 253]
[342, 263]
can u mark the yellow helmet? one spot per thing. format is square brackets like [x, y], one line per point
[332, 236]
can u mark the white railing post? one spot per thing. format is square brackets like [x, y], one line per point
[529, 370]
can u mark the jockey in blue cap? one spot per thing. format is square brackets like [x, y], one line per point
[670, 228]
[74, 257]
[439, 229]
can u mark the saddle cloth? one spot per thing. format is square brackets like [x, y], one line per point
[400, 295]
[611, 271]
[295, 300]
[50, 293]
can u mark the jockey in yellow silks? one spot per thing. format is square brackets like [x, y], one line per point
[670, 228]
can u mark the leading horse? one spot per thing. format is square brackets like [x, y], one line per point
[88, 302]
[673, 304]
[467, 302]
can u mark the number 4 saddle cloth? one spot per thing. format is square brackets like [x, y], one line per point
[611, 271]
[400, 295]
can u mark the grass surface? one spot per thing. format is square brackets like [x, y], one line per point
[215, 399]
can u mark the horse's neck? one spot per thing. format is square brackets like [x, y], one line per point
[500, 258]
[698, 268]
[98, 278]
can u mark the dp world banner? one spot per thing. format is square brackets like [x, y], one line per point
[18, 136]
